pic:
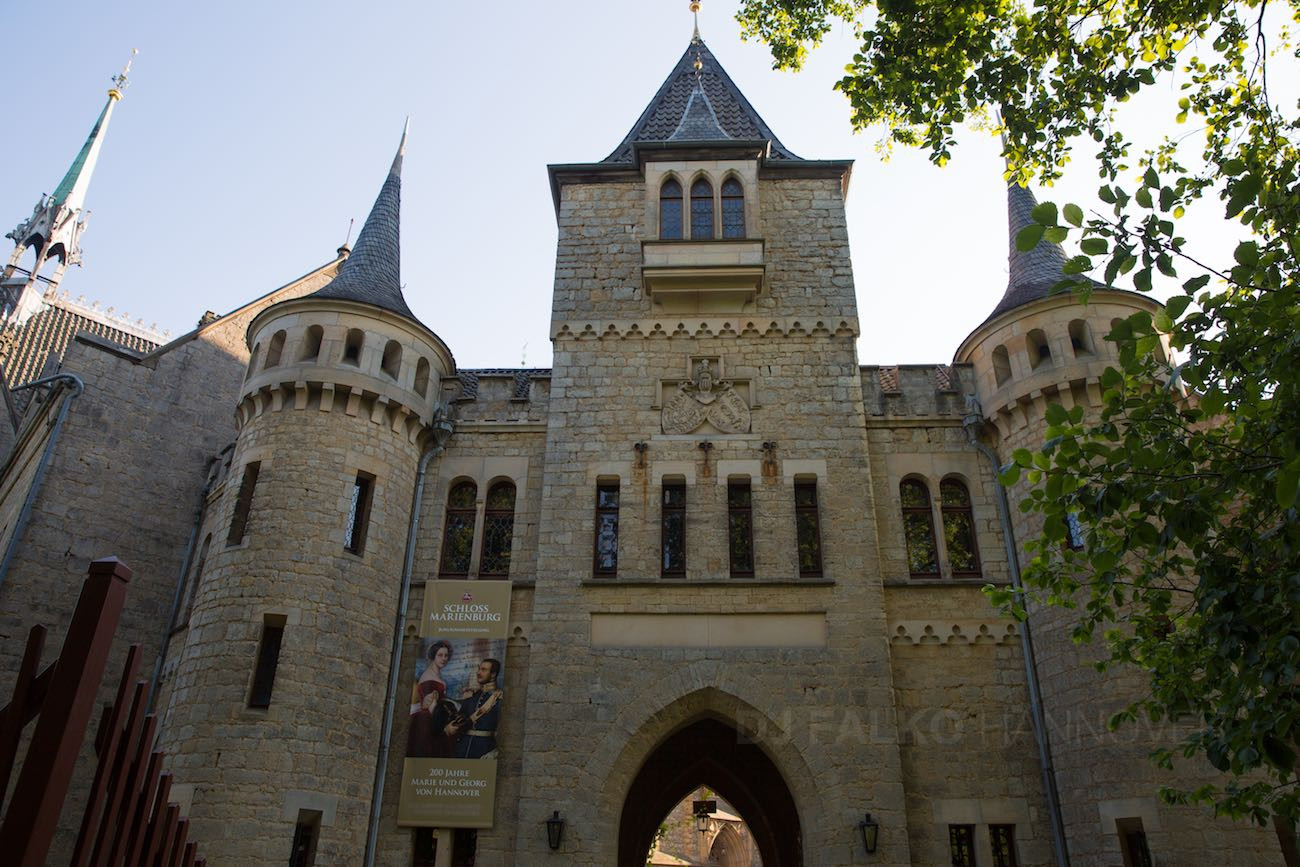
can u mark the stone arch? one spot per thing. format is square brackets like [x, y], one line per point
[648, 721]
[727, 848]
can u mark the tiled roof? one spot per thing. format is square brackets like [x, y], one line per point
[372, 273]
[666, 117]
[1033, 274]
[24, 349]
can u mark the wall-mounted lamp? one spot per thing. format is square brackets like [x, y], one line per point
[870, 829]
[554, 830]
[701, 811]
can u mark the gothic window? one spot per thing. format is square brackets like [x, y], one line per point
[422, 377]
[1080, 338]
[958, 528]
[673, 529]
[606, 546]
[918, 529]
[391, 361]
[352, 346]
[961, 843]
[807, 528]
[275, 350]
[1001, 365]
[670, 210]
[740, 527]
[354, 534]
[701, 210]
[498, 530]
[268, 659]
[311, 343]
[1036, 346]
[458, 532]
[733, 209]
[243, 503]
[1003, 838]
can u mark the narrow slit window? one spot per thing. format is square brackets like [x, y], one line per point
[961, 843]
[670, 211]
[606, 545]
[363, 493]
[421, 383]
[458, 532]
[311, 342]
[740, 528]
[391, 361]
[918, 529]
[808, 531]
[305, 833]
[701, 210]
[1003, 838]
[498, 530]
[268, 660]
[1133, 843]
[243, 503]
[1039, 351]
[733, 209]
[352, 344]
[275, 350]
[1080, 338]
[1001, 365]
[673, 530]
[959, 528]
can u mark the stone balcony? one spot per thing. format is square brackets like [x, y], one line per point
[702, 276]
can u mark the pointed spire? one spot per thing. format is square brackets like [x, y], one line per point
[1031, 274]
[699, 120]
[71, 191]
[372, 273]
[695, 11]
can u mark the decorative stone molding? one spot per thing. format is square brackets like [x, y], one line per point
[704, 398]
[696, 327]
[381, 410]
[948, 632]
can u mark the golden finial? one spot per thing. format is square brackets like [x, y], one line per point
[695, 10]
[120, 82]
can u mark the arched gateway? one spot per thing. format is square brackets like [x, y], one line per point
[711, 753]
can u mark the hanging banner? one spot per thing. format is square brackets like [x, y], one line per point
[450, 771]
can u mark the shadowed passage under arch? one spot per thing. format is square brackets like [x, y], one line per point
[711, 753]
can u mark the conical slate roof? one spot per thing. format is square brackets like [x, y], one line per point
[372, 273]
[1033, 274]
[678, 114]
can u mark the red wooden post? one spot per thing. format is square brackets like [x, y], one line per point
[38, 797]
[106, 744]
[14, 716]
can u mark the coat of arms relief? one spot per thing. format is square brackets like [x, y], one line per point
[704, 398]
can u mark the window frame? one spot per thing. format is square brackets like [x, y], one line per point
[969, 511]
[926, 511]
[819, 570]
[243, 510]
[962, 836]
[451, 511]
[732, 200]
[746, 511]
[710, 232]
[488, 514]
[677, 511]
[357, 526]
[680, 199]
[605, 486]
[269, 646]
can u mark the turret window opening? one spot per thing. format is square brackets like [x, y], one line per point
[391, 361]
[670, 210]
[458, 531]
[1039, 351]
[959, 529]
[1001, 365]
[354, 534]
[268, 660]
[252, 360]
[421, 383]
[275, 350]
[311, 342]
[352, 344]
[1081, 338]
[733, 209]
[498, 530]
[807, 528]
[672, 523]
[918, 529]
[243, 503]
[701, 210]
[605, 554]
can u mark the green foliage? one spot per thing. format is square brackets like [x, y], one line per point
[1186, 481]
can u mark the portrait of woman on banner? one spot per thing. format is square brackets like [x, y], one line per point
[431, 711]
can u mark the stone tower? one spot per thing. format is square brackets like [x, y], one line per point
[285, 664]
[1036, 348]
[53, 231]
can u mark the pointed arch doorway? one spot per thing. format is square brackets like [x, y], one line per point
[711, 753]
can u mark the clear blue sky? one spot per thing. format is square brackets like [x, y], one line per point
[252, 132]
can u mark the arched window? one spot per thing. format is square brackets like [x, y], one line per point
[498, 530]
[1001, 365]
[275, 350]
[733, 209]
[422, 377]
[1080, 338]
[252, 360]
[311, 343]
[352, 346]
[959, 528]
[1036, 345]
[670, 210]
[918, 529]
[458, 532]
[391, 362]
[701, 210]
